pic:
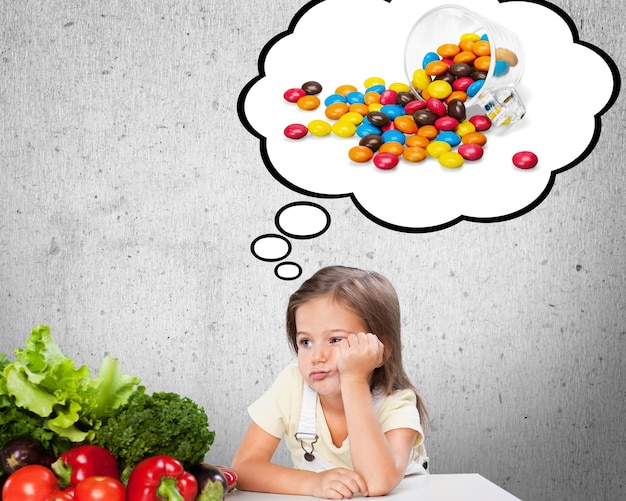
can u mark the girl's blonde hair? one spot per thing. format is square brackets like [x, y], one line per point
[373, 298]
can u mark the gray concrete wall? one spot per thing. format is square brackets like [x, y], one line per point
[130, 194]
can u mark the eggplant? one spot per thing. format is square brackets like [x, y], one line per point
[22, 452]
[212, 484]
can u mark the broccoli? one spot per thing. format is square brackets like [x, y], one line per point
[158, 424]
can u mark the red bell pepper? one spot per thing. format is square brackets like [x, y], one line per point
[84, 461]
[161, 478]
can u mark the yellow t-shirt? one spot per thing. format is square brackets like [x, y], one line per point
[277, 412]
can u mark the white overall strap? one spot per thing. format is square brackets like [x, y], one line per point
[306, 433]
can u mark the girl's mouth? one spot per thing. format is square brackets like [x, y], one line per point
[318, 375]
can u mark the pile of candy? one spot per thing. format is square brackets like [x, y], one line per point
[393, 122]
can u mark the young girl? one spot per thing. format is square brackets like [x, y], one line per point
[348, 413]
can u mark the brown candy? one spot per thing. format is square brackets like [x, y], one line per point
[404, 98]
[461, 70]
[378, 118]
[456, 109]
[312, 87]
[372, 141]
[424, 117]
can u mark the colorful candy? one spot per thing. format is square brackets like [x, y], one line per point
[385, 161]
[525, 160]
[396, 123]
[451, 160]
[296, 131]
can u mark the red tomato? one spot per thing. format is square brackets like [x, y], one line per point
[99, 488]
[30, 483]
[61, 496]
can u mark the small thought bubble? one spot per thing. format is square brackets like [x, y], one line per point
[270, 247]
[559, 126]
[297, 220]
[302, 220]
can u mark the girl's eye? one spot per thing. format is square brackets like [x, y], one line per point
[336, 340]
[305, 343]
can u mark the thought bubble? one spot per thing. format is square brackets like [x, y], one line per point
[560, 126]
[297, 220]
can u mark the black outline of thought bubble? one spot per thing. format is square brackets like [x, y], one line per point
[596, 135]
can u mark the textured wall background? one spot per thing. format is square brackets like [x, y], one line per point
[130, 194]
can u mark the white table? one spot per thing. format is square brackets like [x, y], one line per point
[457, 487]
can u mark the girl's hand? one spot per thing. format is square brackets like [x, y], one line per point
[359, 355]
[338, 483]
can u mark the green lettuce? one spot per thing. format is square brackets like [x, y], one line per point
[43, 393]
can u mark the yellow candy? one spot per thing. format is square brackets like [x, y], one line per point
[420, 80]
[472, 37]
[400, 87]
[343, 128]
[371, 81]
[375, 107]
[465, 127]
[352, 117]
[319, 128]
[437, 148]
[451, 159]
[439, 89]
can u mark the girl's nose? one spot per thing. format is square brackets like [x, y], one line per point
[319, 354]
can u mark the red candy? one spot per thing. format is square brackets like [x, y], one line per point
[413, 106]
[386, 161]
[525, 160]
[436, 106]
[388, 97]
[292, 95]
[446, 123]
[481, 122]
[471, 151]
[296, 131]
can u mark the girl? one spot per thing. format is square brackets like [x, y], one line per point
[349, 414]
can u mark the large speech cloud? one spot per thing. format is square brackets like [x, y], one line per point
[566, 86]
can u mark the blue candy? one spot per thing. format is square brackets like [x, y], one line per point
[376, 88]
[449, 137]
[393, 135]
[501, 68]
[429, 58]
[473, 89]
[334, 98]
[365, 129]
[393, 110]
[355, 97]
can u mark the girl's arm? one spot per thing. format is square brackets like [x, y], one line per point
[255, 472]
[380, 458]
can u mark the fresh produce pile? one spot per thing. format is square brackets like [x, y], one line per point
[65, 435]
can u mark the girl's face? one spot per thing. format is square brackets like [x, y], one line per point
[321, 324]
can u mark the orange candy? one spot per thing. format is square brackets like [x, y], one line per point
[392, 147]
[360, 154]
[474, 138]
[344, 90]
[467, 56]
[336, 110]
[482, 63]
[481, 48]
[360, 108]
[448, 50]
[414, 154]
[428, 131]
[406, 124]
[416, 140]
[457, 94]
[308, 102]
[371, 97]
[465, 45]
[435, 68]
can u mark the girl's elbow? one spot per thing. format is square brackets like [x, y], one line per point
[382, 485]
